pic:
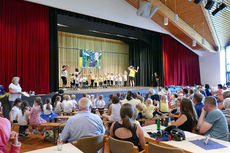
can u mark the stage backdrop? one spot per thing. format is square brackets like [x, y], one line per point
[115, 53]
[181, 65]
[24, 44]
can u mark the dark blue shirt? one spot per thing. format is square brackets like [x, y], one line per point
[203, 93]
[198, 108]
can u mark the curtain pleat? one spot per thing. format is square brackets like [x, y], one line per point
[24, 44]
[181, 65]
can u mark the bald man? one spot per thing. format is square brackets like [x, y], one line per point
[83, 124]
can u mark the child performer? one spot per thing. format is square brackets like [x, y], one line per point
[96, 81]
[101, 81]
[64, 75]
[125, 78]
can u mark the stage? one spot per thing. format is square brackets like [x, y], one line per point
[109, 89]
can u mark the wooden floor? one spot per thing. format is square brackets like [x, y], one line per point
[34, 142]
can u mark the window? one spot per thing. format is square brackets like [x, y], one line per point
[227, 55]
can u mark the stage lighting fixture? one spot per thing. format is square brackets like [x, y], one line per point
[198, 2]
[145, 10]
[209, 4]
[175, 18]
[219, 9]
[193, 42]
[166, 21]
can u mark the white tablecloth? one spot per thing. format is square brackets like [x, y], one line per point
[186, 145]
[66, 148]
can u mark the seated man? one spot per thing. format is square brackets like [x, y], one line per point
[84, 124]
[214, 123]
[226, 110]
[197, 100]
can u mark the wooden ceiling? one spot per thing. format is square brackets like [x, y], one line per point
[190, 24]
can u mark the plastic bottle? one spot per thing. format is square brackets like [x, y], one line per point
[169, 121]
[59, 143]
[158, 123]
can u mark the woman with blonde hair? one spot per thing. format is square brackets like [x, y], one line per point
[164, 107]
[15, 90]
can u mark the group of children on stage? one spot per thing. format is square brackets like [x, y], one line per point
[93, 81]
[79, 80]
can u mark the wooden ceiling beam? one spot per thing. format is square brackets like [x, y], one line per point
[164, 11]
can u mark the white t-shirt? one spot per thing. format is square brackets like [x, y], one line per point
[81, 79]
[125, 77]
[116, 78]
[133, 102]
[115, 112]
[67, 106]
[93, 103]
[84, 79]
[120, 78]
[15, 88]
[111, 77]
[74, 102]
[46, 111]
[64, 73]
[58, 107]
[14, 113]
[22, 118]
[100, 104]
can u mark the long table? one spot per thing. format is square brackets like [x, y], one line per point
[187, 146]
[66, 148]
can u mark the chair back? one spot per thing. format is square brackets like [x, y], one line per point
[90, 144]
[119, 146]
[154, 148]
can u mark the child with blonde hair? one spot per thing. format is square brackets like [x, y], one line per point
[67, 104]
[101, 104]
[164, 107]
[58, 105]
[149, 109]
[74, 102]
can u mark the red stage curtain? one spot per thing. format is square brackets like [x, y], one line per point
[24, 44]
[181, 65]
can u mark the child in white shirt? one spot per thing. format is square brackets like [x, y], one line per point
[67, 104]
[48, 114]
[93, 104]
[14, 111]
[120, 80]
[74, 102]
[101, 104]
[47, 107]
[23, 119]
[58, 105]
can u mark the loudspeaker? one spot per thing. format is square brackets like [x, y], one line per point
[198, 2]
[219, 9]
[144, 8]
[209, 4]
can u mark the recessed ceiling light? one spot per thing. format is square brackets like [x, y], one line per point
[62, 25]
